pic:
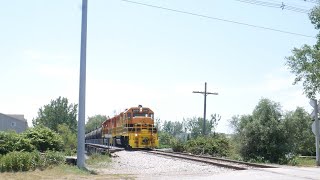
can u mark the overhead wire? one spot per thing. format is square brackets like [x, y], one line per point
[280, 5]
[217, 19]
[311, 1]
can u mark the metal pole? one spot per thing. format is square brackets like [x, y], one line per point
[317, 132]
[82, 87]
[205, 108]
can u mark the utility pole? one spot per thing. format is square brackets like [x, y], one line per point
[82, 87]
[205, 93]
[314, 115]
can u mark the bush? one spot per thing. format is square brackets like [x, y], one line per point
[216, 145]
[177, 146]
[11, 141]
[53, 158]
[25, 161]
[44, 139]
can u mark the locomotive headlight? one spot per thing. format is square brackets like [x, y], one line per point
[136, 135]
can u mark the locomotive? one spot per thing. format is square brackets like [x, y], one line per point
[133, 129]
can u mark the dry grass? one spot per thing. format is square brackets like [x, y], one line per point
[60, 172]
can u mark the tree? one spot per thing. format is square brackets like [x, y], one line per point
[69, 139]
[195, 125]
[59, 111]
[305, 61]
[94, 122]
[298, 132]
[172, 128]
[261, 135]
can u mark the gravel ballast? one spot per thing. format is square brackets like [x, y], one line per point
[143, 164]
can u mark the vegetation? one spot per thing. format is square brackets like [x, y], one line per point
[59, 111]
[187, 136]
[69, 139]
[25, 161]
[97, 160]
[43, 139]
[94, 122]
[268, 135]
[305, 61]
[61, 117]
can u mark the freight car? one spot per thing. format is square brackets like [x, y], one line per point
[133, 129]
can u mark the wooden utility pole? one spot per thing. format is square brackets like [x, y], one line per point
[205, 93]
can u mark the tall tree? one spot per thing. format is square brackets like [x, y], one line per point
[299, 134]
[59, 111]
[305, 61]
[94, 122]
[261, 135]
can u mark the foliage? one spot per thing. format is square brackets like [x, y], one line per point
[53, 158]
[195, 125]
[43, 138]
[269, 136]
[11, 141]
[172, 128]
[25, 161]
[59, 111]
[165, 139]
[298, 131]
[94, 122]
[261, 135]
[69, 139]
[217, 145]
[305, 61]
[177, 145]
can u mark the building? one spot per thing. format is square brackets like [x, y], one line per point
[14, 122]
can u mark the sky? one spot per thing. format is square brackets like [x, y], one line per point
[148, 56]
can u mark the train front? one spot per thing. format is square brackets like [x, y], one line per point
[142, 132]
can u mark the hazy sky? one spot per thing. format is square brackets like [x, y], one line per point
[156, 58]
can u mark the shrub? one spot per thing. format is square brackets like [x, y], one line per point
[53, 158]
[11, 141]
[25, 161]
[44, 139]
[216, 145]
[177, 146]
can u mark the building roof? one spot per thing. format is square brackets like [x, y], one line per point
[15, 116]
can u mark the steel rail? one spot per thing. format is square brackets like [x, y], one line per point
[229, 160]
[198, 160]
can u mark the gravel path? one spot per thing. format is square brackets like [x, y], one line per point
[143, 165]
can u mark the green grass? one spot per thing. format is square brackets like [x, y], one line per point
[305, 162]
[98, 160]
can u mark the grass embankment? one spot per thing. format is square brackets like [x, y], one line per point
[64, 171]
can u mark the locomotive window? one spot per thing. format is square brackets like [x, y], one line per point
[140, 115]
[129, 115]
[151, 115]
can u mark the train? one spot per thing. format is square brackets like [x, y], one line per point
[133, 128]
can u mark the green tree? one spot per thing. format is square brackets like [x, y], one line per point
[305, 61]
[195, 125]
[262, 134]
[59, 111]
[298, 131]
[173, 128]
[94, 122]
[69, 139]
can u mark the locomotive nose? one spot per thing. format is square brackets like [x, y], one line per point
[145, 140]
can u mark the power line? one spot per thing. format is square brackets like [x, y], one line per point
[282, 5]
[218, 19]
[311, 1]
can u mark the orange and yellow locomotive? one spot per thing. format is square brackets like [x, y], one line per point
[134, 128]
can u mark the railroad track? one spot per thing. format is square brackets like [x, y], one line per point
[221, 162]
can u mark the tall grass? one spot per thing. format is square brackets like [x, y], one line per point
[25, 161]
